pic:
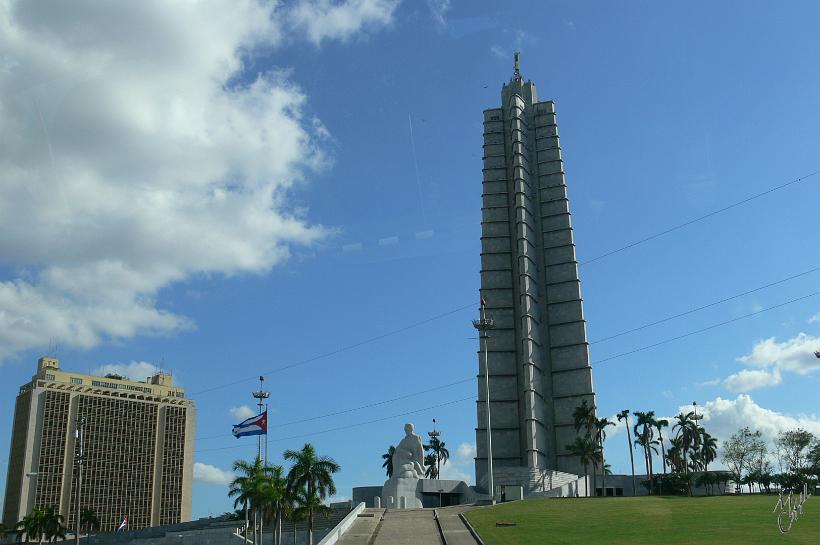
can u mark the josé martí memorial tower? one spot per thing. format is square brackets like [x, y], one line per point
[537, 352]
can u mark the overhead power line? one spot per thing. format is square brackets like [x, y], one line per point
[698, 219]
[348, 426]
[339, 350]
[353, 409]
[707, 328]
[708, 305]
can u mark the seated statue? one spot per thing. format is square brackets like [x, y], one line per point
[403, 489]
[408, 459]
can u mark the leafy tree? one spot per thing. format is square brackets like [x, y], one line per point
[624, 415]
[388, 460]
[440, 454]
[794, 448]
[739, 450]
[313, 475]
[588, 451]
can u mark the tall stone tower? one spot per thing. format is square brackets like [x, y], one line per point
[538, 352]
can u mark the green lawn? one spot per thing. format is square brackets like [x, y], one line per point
[746, 520]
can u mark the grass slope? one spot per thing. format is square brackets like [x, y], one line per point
[716, 520]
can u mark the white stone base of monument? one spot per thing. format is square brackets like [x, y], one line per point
[402, 493]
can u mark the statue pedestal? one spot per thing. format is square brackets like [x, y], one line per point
[402, 493]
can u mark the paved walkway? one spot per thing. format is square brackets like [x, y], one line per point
[454, 529]
[364, 527]
[408, 527]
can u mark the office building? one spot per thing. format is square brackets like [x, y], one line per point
[138, 439]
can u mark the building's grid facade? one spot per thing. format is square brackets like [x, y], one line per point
[138, 448]
[538, 352]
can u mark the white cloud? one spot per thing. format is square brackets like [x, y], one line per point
[795, 354]
[209, 474]
[324, 19]
[723, 417]
[499, 52]
[747, 380]
[466, 453]
[242, 412]
[137, 154]
[136, 370]
[815, 318]
[438, 11]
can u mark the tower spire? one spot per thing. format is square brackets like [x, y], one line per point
[517, 67]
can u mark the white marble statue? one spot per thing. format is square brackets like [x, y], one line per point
[403, 489]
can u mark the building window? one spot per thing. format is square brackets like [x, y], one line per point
[619, 491]
[76, 380]
[49, 377]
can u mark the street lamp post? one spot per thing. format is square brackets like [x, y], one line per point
[432, 435]
[483, 325]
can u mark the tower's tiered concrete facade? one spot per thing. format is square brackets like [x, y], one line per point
[538, 352]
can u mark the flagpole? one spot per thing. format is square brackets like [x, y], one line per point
[266, 439]
[483, 325]
[259, 395]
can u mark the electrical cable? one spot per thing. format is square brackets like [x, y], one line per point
[345, 411]
[707, 328]
[348, 426]
[708, 305]
[698, 219]
[338, 350]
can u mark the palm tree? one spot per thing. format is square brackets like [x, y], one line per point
[589, 453]
[645, 438]
[53, 528]
[248, 488]
[441, 453]
[312, 474]
[32, 526]
[659, 425]
[601, 425]
[584, 417]
[430, 467]
[708, 449]
[388, 460]
[273, 499]
[89, 521]
[686, 428]
[624, 415]
[307, 507]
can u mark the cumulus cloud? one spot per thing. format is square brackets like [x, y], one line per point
[324, 19]
[242, 412]
[137, 153]
[136, 370]
[209, 474]
[723, 417]
[751, 379]
[795, 354]
[815, 318]
[460, 467]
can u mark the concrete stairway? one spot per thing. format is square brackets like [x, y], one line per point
[366, 526]
[536, 482]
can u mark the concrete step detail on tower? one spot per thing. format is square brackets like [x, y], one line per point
[535, 481]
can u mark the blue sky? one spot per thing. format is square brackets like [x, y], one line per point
[228, 189]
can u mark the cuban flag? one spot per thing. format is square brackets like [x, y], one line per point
[123, 525]
[255, 425]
